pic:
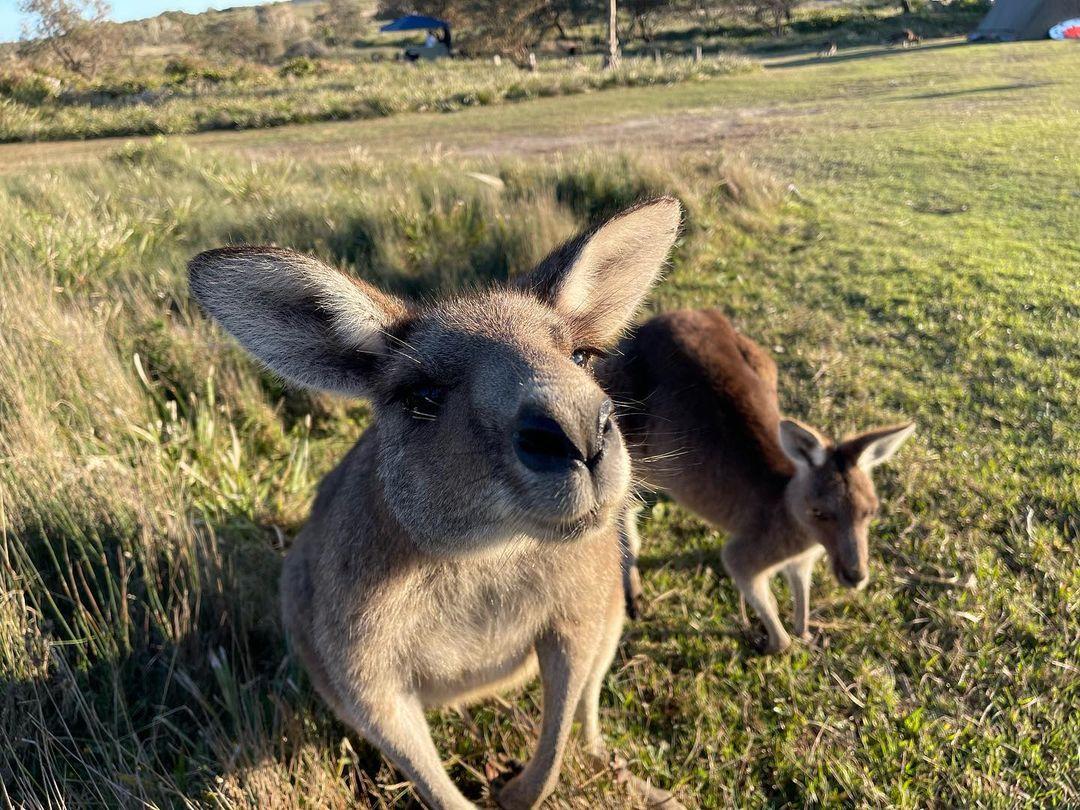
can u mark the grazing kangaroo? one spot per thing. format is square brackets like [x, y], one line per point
[827, 49]
[698, 406]
[469, 538]
[904, 38]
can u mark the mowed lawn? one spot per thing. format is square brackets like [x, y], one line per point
[898, 228]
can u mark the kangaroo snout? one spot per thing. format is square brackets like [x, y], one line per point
[851, 575]
[545, 443]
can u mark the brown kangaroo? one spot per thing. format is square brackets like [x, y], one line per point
[698, 404]
[904, 38]
[469, 538]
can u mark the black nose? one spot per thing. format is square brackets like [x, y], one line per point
[849, 577]
[544, 445]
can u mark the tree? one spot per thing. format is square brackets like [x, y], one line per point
[73, 32]
[644, 15]
[612, 58]
[486, 26]
[340, 22]
[773, 14]
[260, 34]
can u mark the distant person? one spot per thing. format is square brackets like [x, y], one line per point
[430, 40]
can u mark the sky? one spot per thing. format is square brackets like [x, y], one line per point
[11, 19]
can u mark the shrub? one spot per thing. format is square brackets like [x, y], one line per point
[29, 87]
[300, 66]
[184, 71]
[308, 47]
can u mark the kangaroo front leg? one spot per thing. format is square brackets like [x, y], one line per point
[588, 714]
[397, 727]
[760, 597]
[753, 585]
[798, 573]
[630, 545]
[564, 668]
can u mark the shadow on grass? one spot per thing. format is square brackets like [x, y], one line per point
[996, 88]
[144, 719]
[812, 58]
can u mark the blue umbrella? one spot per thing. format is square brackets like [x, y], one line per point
[415, 22]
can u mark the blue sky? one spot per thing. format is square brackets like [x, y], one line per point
[11, 19]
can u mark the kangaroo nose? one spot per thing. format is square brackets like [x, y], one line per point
[852, 576]
[544, 445]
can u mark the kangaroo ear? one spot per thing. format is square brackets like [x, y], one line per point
[801, 443]
[875, 447]
[308, 322]
[598, 279]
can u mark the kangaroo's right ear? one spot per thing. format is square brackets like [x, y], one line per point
[308, 322]
[801, 443]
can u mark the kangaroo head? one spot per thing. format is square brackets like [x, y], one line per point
[488, 421]
[832, 496]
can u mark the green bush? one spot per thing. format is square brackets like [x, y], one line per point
[300, 66]
[28, 87]
[185, 71]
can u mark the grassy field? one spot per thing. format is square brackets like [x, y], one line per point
[898, 228]
[164, 83]
[252, 98]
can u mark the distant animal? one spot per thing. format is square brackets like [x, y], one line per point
[827, 49]
[904, 38]
[469, 538]
[700, 411]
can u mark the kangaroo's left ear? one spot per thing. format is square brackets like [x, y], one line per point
[802, 444]
[875, 447]
[598, 279]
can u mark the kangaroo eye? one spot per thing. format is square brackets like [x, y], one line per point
[424, 401]
[817, 514]
[582, 356]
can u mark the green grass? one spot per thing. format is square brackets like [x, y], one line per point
[898, 229]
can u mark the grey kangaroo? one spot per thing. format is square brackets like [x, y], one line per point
[469, 537]
[698, 405]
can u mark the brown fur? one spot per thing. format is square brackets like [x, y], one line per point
[445, 559]
[698, 404]
[904, 38]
